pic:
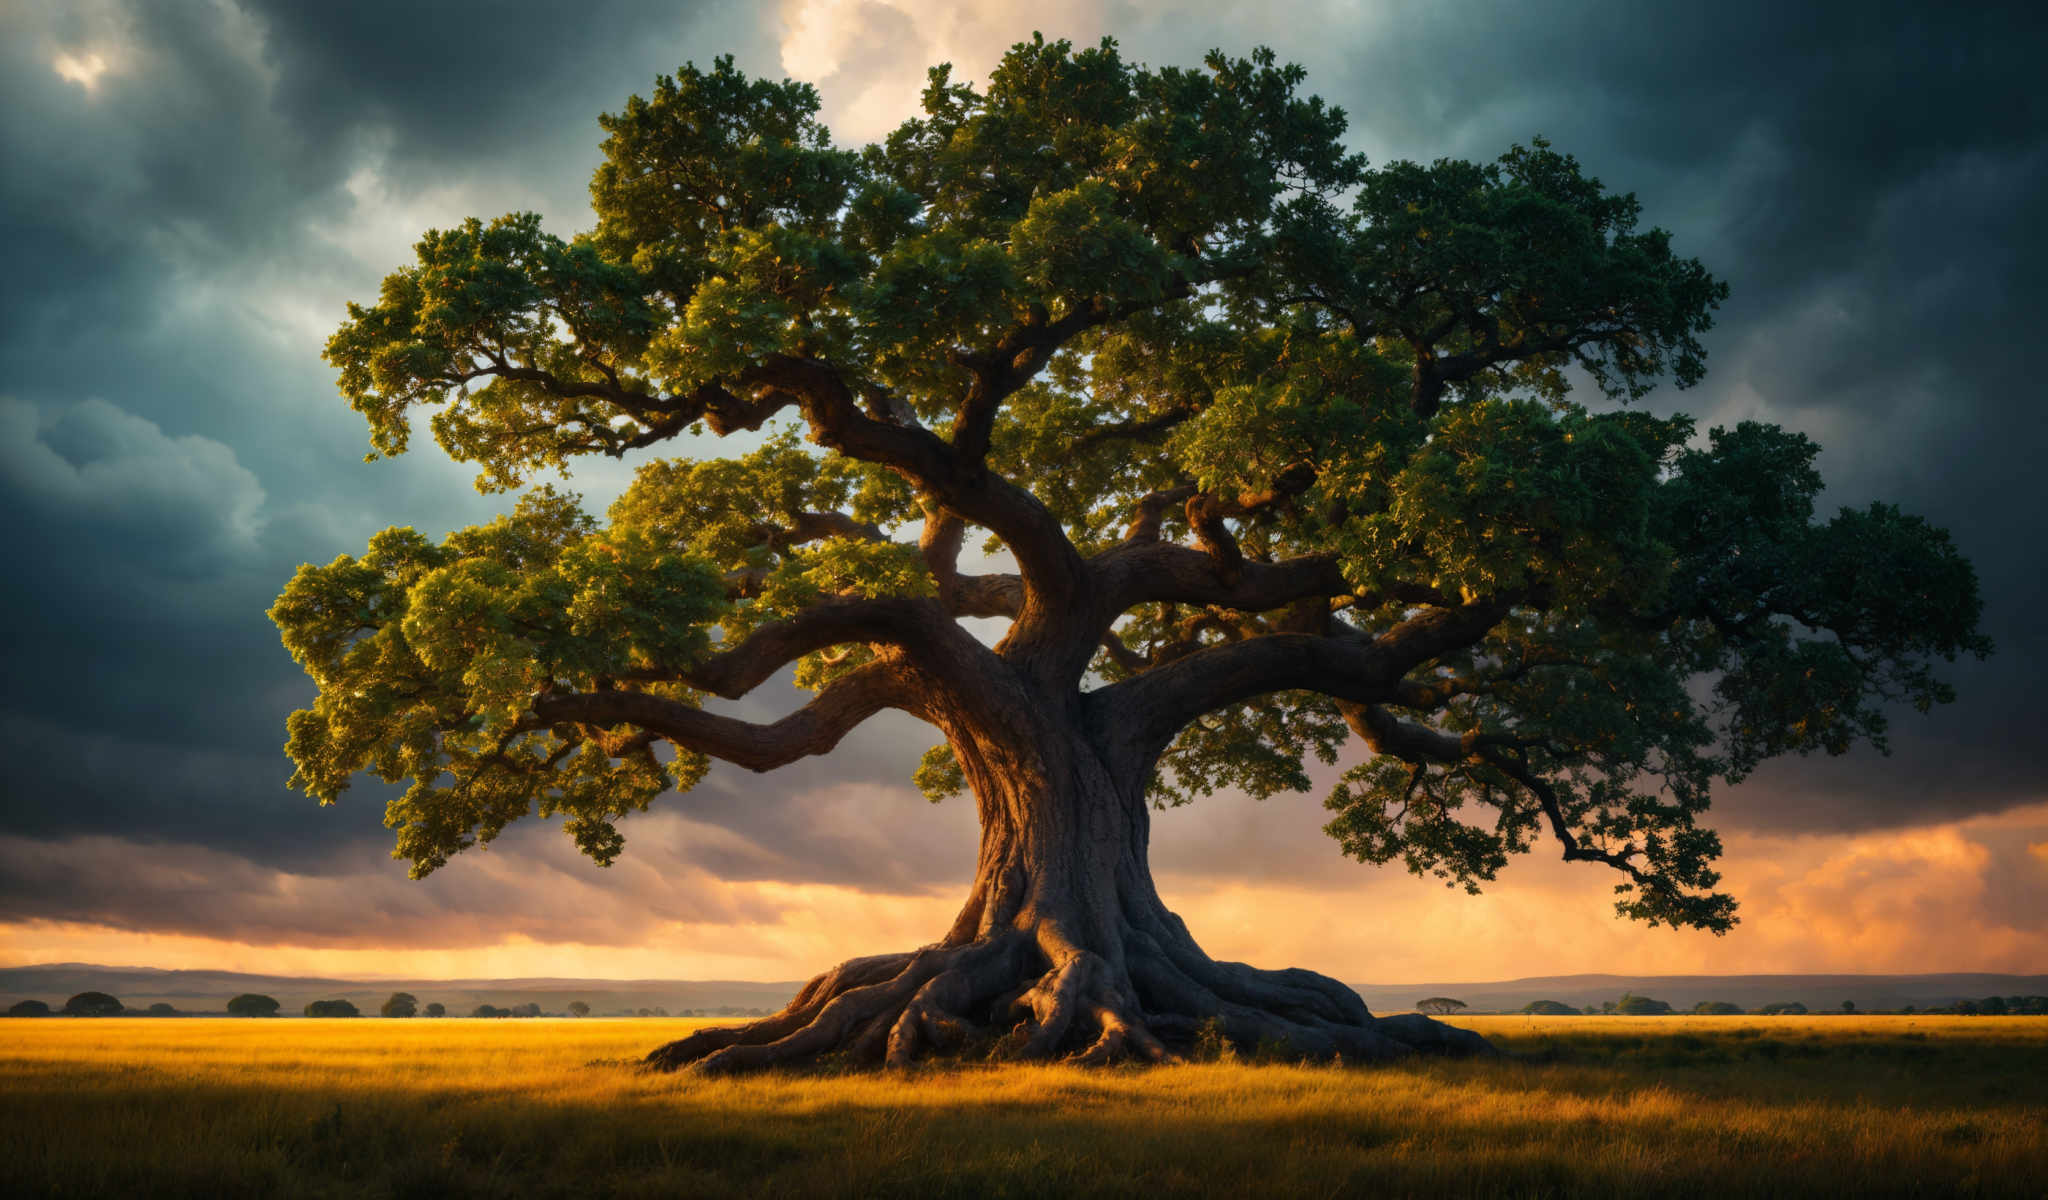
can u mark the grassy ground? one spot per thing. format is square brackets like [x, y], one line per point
[1590, 1106]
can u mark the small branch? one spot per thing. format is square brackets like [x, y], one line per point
[1150, 512]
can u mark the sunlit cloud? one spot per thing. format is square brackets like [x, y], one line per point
[1962, 896]
[83, 68]
[869, 57]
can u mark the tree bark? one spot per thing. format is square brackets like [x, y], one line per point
[1063, 947]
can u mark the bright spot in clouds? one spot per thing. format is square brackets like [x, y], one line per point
[83, 69]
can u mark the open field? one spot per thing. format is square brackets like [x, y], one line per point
[1591, 1106]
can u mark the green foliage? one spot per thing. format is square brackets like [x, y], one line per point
[938, 774]
[1717, 1008]
[28, 1008]
[1549, 1008]
[1632, 1005]
[401, 1004]
[1439, 1005]
[332, 1008]
[1367, 367]
[250, 1004]
[1502, 269]
[434, 1008]
[428, 656]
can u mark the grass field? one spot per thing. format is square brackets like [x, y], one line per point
[1589, 1106]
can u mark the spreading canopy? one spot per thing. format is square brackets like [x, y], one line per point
[1266, 453]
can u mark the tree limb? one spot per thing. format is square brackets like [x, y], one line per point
[1143, 714]
[813, 729]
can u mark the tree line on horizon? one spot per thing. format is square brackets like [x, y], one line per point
[1632, 1005]
[405, 1004]
[400, 1005]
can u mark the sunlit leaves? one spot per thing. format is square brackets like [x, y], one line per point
[485, 312]
[938, 774]
[428, 658]
[710, 153]
[771, 290]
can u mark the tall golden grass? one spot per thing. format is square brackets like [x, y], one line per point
[1587, 1106]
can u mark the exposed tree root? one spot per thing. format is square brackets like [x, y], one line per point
[1005, 996]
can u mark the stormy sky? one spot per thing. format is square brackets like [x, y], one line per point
[193, 189]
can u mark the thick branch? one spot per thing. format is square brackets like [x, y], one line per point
[903, 621]
[1051, 566]
[1144, 714]
[996, 595]
[1141, 573]
[813, 729]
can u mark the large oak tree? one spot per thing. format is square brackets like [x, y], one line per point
[1260, 454]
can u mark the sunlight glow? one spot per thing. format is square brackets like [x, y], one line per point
[83, 69]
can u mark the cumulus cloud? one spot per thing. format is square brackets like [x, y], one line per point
[184, 504]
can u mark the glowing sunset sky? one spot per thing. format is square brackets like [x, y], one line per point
[192, 189]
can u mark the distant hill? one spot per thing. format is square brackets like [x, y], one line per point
[1817, 992]
[208, 991]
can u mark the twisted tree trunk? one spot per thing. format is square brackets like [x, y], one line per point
[1063, 947]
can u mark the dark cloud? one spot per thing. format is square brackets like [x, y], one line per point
[1869, 180]
[356, 899]
[183, 231]
[183, 227]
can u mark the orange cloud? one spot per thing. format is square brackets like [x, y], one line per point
[1964, 896]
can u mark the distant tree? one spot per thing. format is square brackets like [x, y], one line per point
[645, 1012]
[1848, 1006]
[29, 1008]
[1591, 1011]
[1281, 452]
[92, 1004]
[250, 1004]
[578, 1008]
[1788, 1008]
[659, 1011]
[437, 1009]
[401, 1004]
[1549, 1008]
[490, 1010]
[528, 1009]
[332, 1008]
[1631, 1005]
[160, 1009]
[1717, 1008]
[1438, 1005]
[1992, 1006]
